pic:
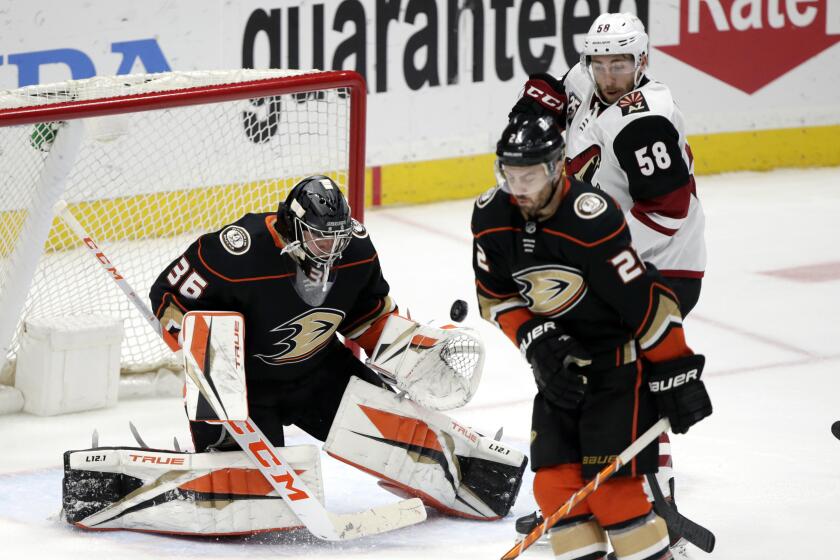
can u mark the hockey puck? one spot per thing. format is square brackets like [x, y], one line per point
[835, 429]
[458, 311]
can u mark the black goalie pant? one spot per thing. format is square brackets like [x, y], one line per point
[310, 403]
[615, 411]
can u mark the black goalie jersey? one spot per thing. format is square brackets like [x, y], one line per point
[241, 268]
[577, 267]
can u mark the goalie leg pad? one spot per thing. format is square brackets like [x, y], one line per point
[182, 493]
[425, 453]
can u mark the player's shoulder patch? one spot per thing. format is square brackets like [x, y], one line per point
[572, 106]
[589, 205]
[486, 197]
[235, 239]
[359, 229]
[633, 103]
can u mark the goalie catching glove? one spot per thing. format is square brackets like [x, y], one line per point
[680, 395]
[438, 368]
[558, 362]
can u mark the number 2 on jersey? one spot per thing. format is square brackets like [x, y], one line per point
[627, 265]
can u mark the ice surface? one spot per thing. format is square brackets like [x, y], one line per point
[762, 472]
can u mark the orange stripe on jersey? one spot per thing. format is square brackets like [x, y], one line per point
[671, 347]
[652, 303]
[490, 292]
[496, 230]
[270, 220]
[635, 431]
[248, 279]
[356, 263]
[510, 321]
[584, 243]
[162, 307]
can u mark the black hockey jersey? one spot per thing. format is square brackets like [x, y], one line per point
[577, 267]
[241, 268]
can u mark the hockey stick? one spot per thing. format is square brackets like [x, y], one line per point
[696, 534]
[607, 472]
[276, 470]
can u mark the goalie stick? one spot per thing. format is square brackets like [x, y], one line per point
[276, 470]
[606, 473]
[696, 534]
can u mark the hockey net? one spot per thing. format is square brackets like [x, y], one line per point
[160, 159]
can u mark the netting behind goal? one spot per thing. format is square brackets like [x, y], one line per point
[160, 159]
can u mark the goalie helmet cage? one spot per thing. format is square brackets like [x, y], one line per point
[147, 163]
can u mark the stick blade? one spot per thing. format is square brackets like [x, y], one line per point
[379, 519]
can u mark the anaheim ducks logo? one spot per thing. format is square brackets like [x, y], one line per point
[485, 197]
[359, 229]
[551, 290]
[303, 336]
[584, 165]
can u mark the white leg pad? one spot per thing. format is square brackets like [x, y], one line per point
[425, 453]
[218, 493]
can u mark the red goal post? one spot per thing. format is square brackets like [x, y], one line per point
[157, 160]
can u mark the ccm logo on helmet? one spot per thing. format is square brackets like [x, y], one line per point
[673, 382]
[546, 99]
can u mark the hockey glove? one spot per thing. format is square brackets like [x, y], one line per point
[680, 395]
[558, 362]
[543, 95]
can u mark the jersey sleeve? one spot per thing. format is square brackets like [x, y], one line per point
[187, 284]
[499, 300]
[649, 152]
[365, 322]
[636, 291]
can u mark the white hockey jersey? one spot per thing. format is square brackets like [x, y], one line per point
[636, 151]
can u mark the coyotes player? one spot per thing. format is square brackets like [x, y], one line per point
[555, 270]
[626, 135]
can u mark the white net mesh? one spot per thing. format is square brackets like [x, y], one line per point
[146, 184]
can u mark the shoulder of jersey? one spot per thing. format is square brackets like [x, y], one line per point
[491, 210]
[577, 79]
[587, 217]
[652, 99]
[360, 248]
[241, 249]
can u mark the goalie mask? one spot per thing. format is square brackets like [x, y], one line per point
[315, 221]
[529, 161]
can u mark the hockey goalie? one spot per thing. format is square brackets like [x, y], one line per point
[258, 307]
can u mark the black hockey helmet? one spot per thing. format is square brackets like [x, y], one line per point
[530, 140]
[315, 218]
